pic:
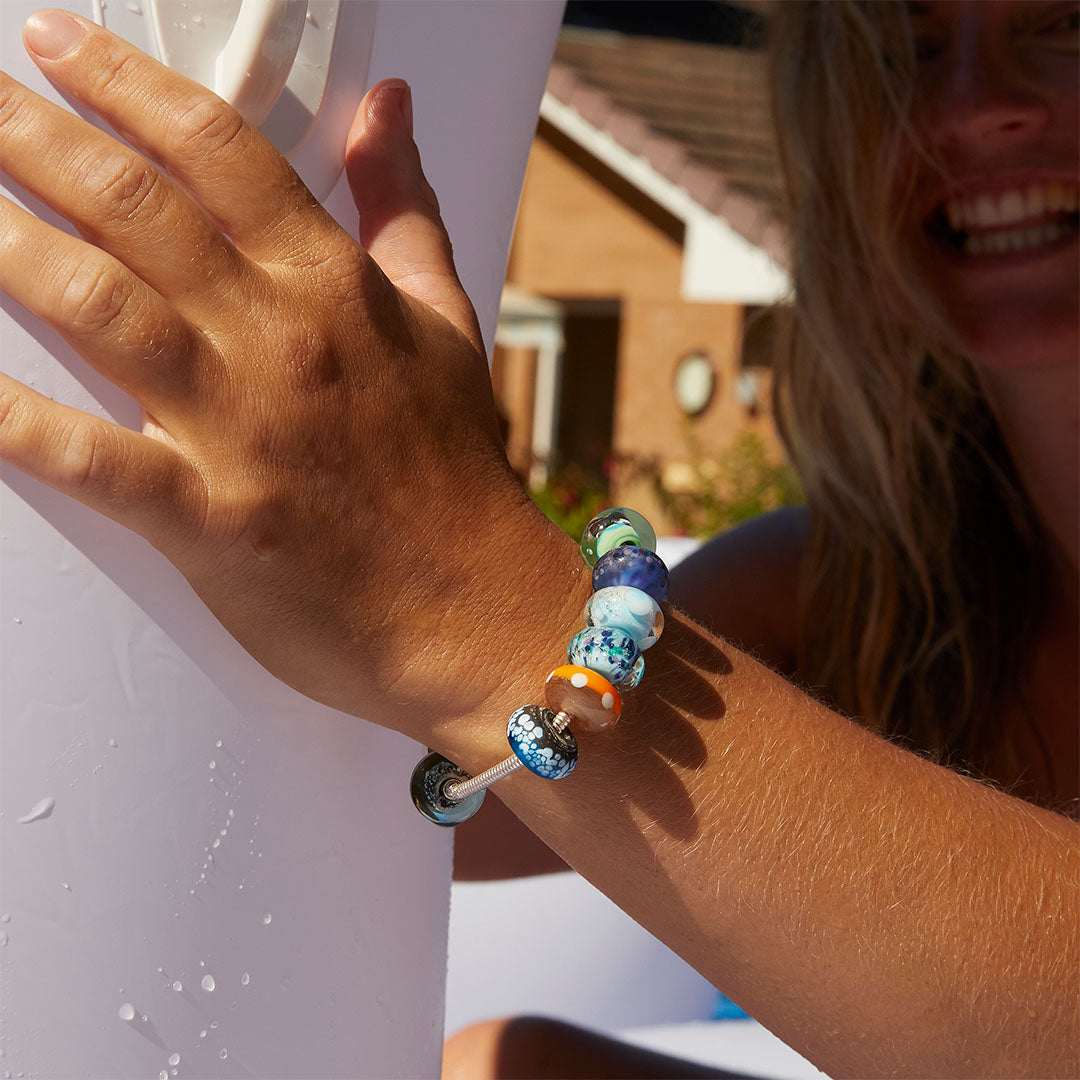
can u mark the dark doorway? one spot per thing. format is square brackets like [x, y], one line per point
[587, 393]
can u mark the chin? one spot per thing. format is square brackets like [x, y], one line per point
[1025, 337]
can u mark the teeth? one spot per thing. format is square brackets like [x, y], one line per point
[1012, 207]
[1009, 207]
[993, 243]
[986, 212]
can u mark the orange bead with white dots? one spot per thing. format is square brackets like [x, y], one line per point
[592, 703]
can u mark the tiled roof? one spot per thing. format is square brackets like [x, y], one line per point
[698, 113]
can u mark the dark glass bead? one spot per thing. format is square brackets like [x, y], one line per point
[633, 566]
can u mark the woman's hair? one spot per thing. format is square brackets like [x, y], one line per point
[924, 558]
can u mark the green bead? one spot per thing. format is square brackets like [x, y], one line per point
[615, 536]
[626, 526]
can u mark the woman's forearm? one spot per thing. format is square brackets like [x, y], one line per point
[882, 914]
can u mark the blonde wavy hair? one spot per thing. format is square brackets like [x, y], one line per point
[925, 562]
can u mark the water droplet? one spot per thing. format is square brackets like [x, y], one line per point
[224, 832]
[213, 764]
[266, 919]
[41, 809]
[232, 812]
[224, 1053]
[6, 917]
[174, 1059]
[208, 983]
[17, 620]
[245, 979]
[202, 1034]
[202, 963]
[178, 986]
[219, 744]
[217, 842]
[127, 1011]
[161, 971]
[3, 938]
[213, 1023]
[163, 1075]
[66, 885]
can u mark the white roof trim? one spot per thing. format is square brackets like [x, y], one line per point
[719, 265]
[606, 150]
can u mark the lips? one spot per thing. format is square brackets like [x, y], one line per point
[1025, 217]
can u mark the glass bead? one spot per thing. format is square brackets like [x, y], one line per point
[538, 745]
[592, 702]
[629, 609]
[609, 652]
[613, 528]
[426, 788]
[633, 566]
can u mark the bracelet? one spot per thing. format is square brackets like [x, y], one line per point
[622, 620]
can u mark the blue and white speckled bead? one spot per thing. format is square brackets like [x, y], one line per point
[610, 652]
[629, 609]
[541, 748]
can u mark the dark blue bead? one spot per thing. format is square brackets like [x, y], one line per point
[538, 745]
[634, 566]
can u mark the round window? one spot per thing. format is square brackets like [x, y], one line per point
[694, 383]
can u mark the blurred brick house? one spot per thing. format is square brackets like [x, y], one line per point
[647, 241]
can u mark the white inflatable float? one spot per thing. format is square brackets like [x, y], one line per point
[203, 873]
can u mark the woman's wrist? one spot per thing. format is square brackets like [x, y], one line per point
[531, 593]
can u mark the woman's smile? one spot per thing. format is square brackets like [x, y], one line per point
[998, 108]
[988, 225]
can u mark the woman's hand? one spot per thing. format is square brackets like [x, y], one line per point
[319, 446]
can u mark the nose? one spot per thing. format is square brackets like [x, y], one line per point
[982, 98]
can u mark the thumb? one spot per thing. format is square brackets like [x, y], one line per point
[399, 222]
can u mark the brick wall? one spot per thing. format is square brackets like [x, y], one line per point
[584, 234]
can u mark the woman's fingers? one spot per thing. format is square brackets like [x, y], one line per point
[244, 185]
[138, 481]
[117, 199]
[115, 321]
[400, 224]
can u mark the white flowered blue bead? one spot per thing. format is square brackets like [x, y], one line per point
[538, 745]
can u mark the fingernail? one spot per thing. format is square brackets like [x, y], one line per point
[402, 97]
[52, 34]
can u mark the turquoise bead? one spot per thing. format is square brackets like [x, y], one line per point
[542, 749]
[426, 788]
[629, 609]
[610, 652]
[613, 528]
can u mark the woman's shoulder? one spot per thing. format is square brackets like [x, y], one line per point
[744, 584]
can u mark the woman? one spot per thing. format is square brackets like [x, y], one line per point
[933, 421]
[882, 913]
